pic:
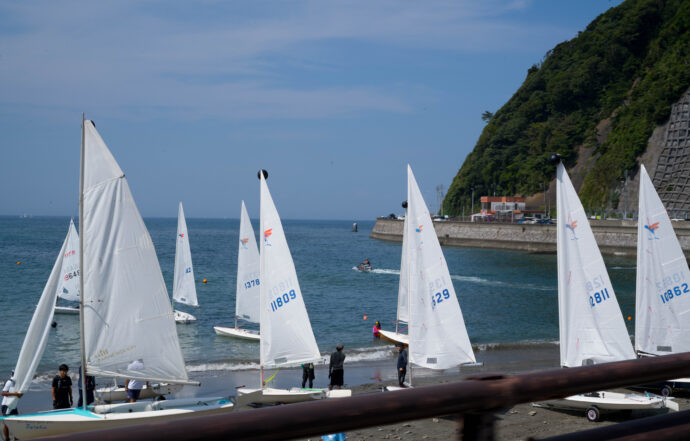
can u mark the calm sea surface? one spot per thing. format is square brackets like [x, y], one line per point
[508, 298]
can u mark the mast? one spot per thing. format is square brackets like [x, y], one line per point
[81, 268]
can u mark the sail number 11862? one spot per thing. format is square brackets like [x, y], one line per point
[667, 295]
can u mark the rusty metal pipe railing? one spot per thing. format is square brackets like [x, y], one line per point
[672, 426]
[486, 393]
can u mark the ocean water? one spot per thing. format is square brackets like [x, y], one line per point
[508, 298]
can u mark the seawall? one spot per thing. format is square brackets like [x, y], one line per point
[614, 237]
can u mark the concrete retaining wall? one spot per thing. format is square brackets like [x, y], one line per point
[613, 237]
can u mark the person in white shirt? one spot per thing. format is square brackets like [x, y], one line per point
[6, 394]
[133, 387]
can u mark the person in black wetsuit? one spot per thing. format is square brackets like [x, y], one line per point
[62, 389]
[402, 364]
[308, 374]
[335, 368]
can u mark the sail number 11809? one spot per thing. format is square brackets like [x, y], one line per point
[283, 300]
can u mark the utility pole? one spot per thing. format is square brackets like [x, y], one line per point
[625, 215]
[472, 211]
[543, 189]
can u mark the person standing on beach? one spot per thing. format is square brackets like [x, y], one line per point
[308, 374]
[62, 389]
[133, 387]
[335, 368]
[90, 388]
[6, 394]
[402, 364]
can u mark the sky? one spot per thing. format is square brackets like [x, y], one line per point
[333, 98]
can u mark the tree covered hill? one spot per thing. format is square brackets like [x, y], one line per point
[628, 67]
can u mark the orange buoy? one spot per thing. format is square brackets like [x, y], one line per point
[365, 317]
[204, 280]
[19, 263]
[629, 318]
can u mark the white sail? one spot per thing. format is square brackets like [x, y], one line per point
[184, 289]
[39, 328]
[247, 293]
[286, 334]
[403, 314]
[69, 282]
[127, 311]
[438, 337]
[662, 320]
[591, 325]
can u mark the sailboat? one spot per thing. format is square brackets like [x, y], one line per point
[591, 325]
[184, 289]
[39, 328]
[286, 334]
[248, 281]
[662, 307]
[403, 311]
[69, 282]
[437, 332]
[125, 311]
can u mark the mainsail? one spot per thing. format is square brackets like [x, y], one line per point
[286, 334]
[69, 282]
[591, 325]
[127, 311]
[248, 281]
[662, 320]
[39, 328]
[184, 290]
[438, 337]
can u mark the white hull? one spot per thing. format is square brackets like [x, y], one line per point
[269, 395]
[395, 337]
[112, 393]
[244, 334]
[395, 388]
[78, 420]
[66, 310]
[183, 317]
[611, 401]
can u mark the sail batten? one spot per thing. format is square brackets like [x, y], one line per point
[662, 305]
[591, 325]
[437, 332]
[127, 312]
[248, 280]
[184, 289]
[286, 333]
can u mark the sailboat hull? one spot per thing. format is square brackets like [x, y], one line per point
[395, 337]
[66, 310]
[244, 334]
[606, 400]
[77, 420]
[110, 394]
[286, 396]
[182, 318]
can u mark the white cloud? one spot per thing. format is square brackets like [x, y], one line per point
[145, 56]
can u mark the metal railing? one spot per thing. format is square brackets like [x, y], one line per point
[474, 400]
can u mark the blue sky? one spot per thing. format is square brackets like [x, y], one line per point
[333, 98]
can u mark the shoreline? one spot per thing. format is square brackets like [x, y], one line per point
[368, 377]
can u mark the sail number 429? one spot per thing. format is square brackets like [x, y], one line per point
[283, 300]
[439, 297]
[674, 292]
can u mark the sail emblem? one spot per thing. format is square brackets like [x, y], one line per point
[181, 235]
[419, 230]
[267, 234]
[571, 225]
[652, 229]
[244, 242]
[188, 270]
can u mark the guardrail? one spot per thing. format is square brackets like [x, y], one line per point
[474, 400]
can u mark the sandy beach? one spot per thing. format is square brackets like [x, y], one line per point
[516, 423]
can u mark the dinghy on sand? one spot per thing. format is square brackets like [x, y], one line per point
[125, 309]
[592, 330]
[437, 334]
[287, 338]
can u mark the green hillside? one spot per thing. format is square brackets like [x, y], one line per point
[629, 65]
